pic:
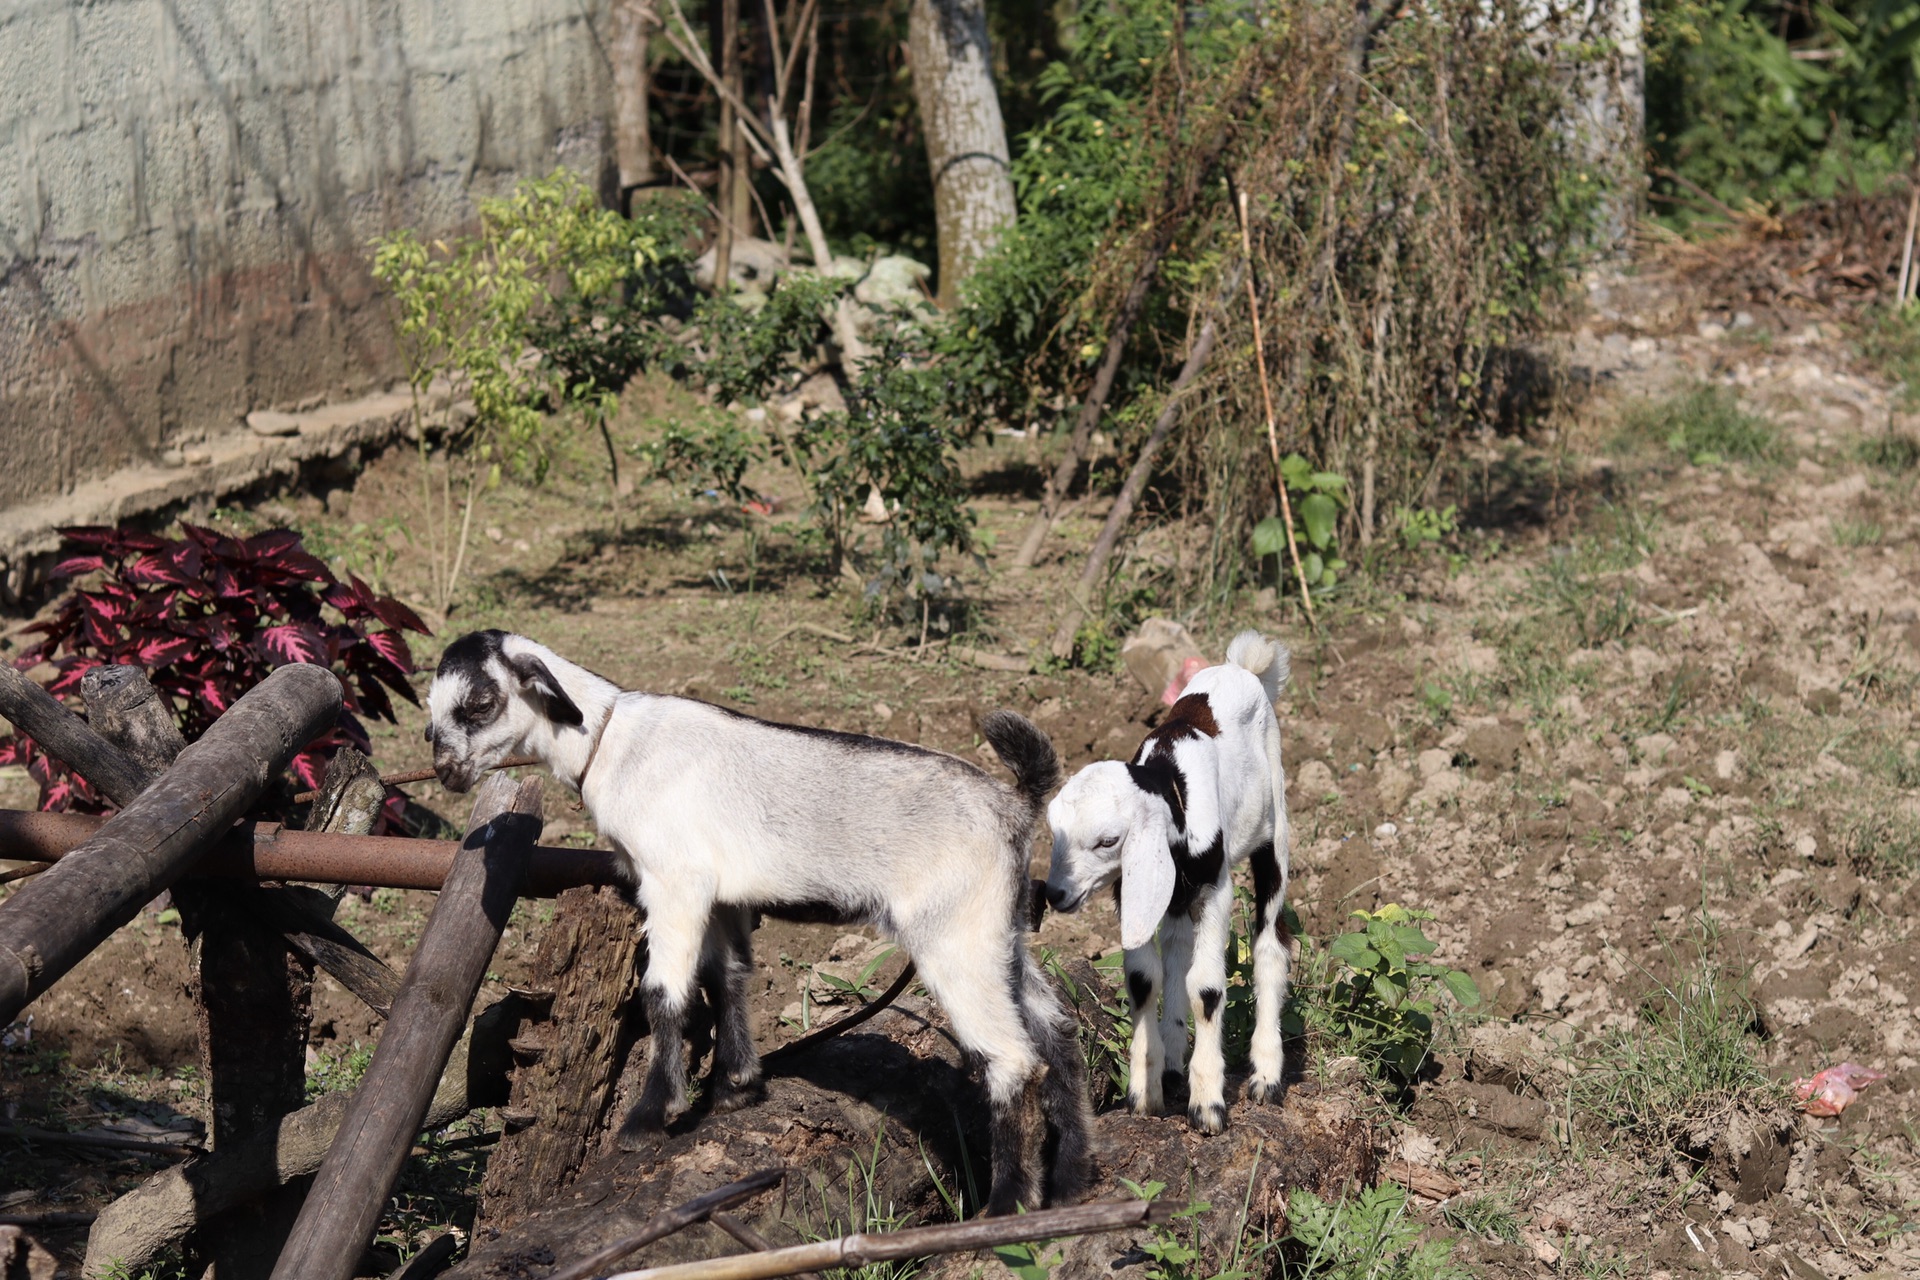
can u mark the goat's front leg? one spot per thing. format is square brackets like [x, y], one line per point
[1176, 954]
[725, 965]
[1145, 1058]
[1272, 963]
[676, 927]
[1207, 988]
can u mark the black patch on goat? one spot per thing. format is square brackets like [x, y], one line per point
[1193, 872]
[1139, 989]
[1209, 1001]
[1266, 889]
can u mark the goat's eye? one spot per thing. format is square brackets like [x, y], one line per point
[1107, 843]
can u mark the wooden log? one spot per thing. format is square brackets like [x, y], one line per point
[328, 946]
[350, 796]
[668, 1221]
[49, 924]
[102, 1141]
[267, 851]
[66, 737]
[861, 1248]
[588, 957]
[385, 1112]
[138, 1227]
[124, 708]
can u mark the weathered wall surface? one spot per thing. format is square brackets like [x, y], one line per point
[187, 188]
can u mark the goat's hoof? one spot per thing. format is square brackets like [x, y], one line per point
[1266, 1093]
[728, 1096]
[1207, 1117]
[1148, 1106]
[1173, 1085]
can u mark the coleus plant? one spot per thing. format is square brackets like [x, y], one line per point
[207, 617]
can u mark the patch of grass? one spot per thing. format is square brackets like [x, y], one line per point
[864, 1210]
[1489, 1216]
[1691, 1060]
[1892, 343]
[338, 1072]
[1370, 1237]
[1897, 454]
[1882, 841]
[1706, 424]
[1857, 533]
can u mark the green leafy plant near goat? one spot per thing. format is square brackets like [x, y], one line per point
[1318, 497]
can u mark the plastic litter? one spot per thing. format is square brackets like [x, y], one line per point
[1188, 670]
[1830, 1092]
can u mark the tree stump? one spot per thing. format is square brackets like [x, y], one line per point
[569, 1064]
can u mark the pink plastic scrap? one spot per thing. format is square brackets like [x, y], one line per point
[1188, 670]
[1830, 1091]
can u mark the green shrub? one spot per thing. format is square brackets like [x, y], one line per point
[1369, 1237]
[1375, 999]
[1706, 424]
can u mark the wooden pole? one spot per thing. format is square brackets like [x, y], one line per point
[385, 1112]
[66, 737]
[917, 1242]
[727, 32]
[53, 921]
[1130, 492]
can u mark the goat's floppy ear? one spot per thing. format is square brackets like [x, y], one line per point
[1146, 880]
[544, 689]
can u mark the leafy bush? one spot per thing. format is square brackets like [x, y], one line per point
[1378, 1002]
[208, 617]
[1734, 112]
[1370, 1237]
[1316, 498]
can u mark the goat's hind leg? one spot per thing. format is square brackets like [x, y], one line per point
[1063, 1094]
[726, 964]
[1272, 963]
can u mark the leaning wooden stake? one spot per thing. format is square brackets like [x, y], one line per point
[1130, 492]
[351, 1188]
[669, 1221]
[918, 1242]
[1266, 396]
[66, 737]
[53, 921]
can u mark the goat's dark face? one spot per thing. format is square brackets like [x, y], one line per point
[486, 703]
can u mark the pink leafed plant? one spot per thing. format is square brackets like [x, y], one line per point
[208, 616]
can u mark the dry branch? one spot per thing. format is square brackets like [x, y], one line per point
[385, 1112]
[57, 918]
[678, 1218]
[103, 1141]
[919, 1242]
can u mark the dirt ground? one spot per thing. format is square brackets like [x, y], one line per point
[1643, 712]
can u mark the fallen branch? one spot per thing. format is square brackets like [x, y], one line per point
[68, 739]
[918, 1242]
[669, 1221]
[104, 1141]
[990, 661]
[840, 1026]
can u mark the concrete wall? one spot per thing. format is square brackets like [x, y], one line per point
[187, 188]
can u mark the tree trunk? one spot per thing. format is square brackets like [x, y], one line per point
[632, 81]
[966, 136]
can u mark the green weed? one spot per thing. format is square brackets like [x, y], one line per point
[1488, 1216]
[1369, 1237]
[1691, 1060]
[338, 1072]
[1893, 453]
[1706, 424]
[1857, 533]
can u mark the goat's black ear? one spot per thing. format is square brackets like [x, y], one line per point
[544, 689]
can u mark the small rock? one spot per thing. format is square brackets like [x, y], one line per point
[271, 422]
[1156, 653]
[197, 457]
[1712, 330]
[882, 711]
[1384, 830]
[496, 534]
[755, 414]
[521, 544]
[1313, 781]
[1434, 761]
[172, 458]
[1553, 987]
[1743, 320]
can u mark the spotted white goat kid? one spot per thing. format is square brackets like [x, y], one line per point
[721, 814]
[1205, 792]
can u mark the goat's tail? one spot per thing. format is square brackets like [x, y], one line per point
[1265, 658]
[1023, 748]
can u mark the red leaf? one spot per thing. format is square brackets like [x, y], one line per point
[293, 642]
[160, 651]
[389, 610]
[77, 565]
[392, 646]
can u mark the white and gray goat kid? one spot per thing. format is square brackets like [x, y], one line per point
[720, 815]
[1205, 792]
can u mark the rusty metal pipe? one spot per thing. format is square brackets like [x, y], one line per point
[267, 851]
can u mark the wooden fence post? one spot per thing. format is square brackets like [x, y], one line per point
[52, 922]
[385, 1112]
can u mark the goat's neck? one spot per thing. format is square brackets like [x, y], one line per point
[566, 747]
